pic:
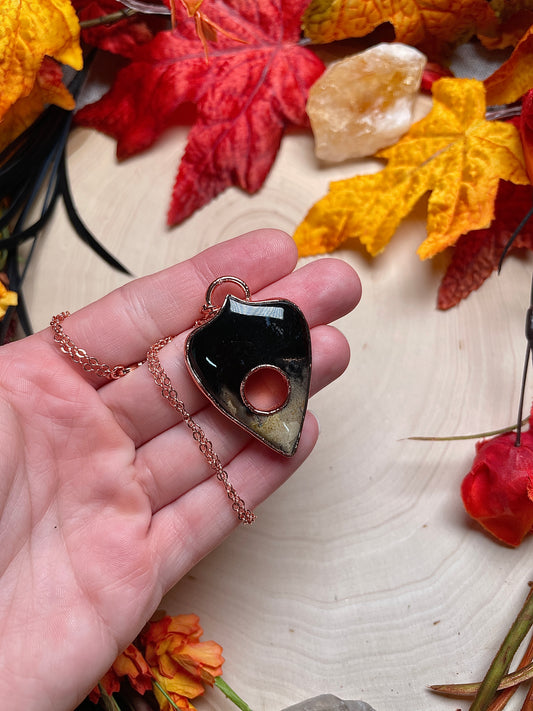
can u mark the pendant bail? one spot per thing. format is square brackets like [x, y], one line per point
[223, 280]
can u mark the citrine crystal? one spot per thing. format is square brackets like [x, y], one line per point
[365, 102]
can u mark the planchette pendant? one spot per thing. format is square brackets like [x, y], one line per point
[243, 342]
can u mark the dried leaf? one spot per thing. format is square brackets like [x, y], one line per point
[30, 31]
[245, 97]
[48, 89]
[515, 76]
[454, 152]
[515, 18]
[526, 131]
[505, 9]
[509, 682]
[477, 254]
[431, 25]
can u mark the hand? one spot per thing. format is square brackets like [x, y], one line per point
[105, 500]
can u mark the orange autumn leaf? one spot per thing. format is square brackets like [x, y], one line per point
[431, 25]
[514, 18]
[48, 89]
[505, 9]
[454, 153]
[515, 76]
[31, 31]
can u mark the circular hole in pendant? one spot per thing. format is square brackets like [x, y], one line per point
[265, 389]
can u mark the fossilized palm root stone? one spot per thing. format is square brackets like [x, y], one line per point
[365, 102]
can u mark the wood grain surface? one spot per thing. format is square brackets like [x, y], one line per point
[362, 577]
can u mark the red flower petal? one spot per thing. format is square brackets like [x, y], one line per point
[495, 491]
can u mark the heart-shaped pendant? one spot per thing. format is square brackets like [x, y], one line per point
[252, 359]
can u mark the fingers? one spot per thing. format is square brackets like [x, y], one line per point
[171, 463]
[325, 290]
[202, 517]
[119, 328]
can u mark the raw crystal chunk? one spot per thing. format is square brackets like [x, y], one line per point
[328, 702]
[365, 102]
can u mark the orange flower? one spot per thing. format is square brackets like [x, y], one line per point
[130, 663]
[180, 689]
[180, 663]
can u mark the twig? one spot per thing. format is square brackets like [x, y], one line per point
[502, 113]
[468, 691]
[501, 700]
[132, 7]
[502, 660]
[147, 8]
[479, 435]
[528, 701]
[109, 19]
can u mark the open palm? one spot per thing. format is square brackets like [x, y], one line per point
[105, 500]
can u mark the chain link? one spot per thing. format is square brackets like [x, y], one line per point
[90, 364]
[79, 355]
[204, 444]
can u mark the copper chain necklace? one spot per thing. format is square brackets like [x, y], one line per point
[229, 346]
[90, 364]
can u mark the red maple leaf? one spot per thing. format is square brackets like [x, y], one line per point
[525, 126]
[246, 94]
[120, 37]
[477, 254]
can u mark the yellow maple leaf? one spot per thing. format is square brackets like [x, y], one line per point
[431, 25]
[30, 31]
[515, 76]
[48, 89]
[454, 153]
[7, 299]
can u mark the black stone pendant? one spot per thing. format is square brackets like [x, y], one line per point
[253, 361]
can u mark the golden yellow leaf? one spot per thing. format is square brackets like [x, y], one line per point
[515, 76]
[431, 25]
[48, 89]
[454, 153]
[7, 299]
[30, 30]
